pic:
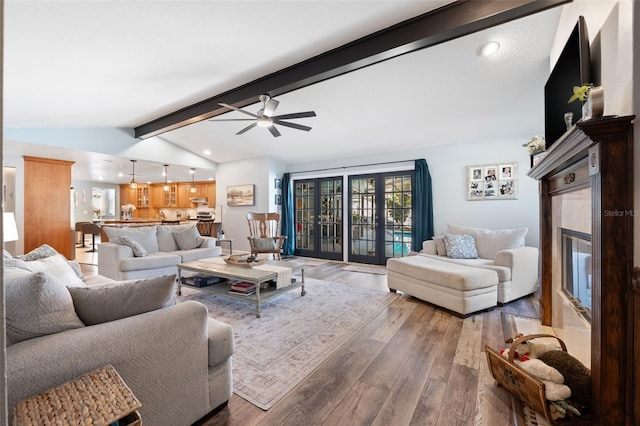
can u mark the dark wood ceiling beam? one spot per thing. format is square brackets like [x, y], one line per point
[447, 23]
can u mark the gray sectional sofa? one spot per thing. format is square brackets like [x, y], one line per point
[492, 267]
[174, 357]
[149, 251]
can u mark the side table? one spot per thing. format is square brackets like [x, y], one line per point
[229, 241]
[99, 397]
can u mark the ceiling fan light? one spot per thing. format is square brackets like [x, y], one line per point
[265, 122]
[133, 184]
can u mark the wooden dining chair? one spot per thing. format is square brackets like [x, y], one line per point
[264, 234]
[205, 226]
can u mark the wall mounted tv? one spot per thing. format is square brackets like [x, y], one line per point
[573, 68]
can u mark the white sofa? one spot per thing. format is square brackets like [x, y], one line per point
[158, 250]
[462, 284]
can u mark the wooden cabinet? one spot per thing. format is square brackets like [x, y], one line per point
[47, 215]
[211, 193]
[178, 195]
[142, 196]
[202, 190]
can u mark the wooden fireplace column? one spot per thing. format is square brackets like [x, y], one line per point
[599, 153]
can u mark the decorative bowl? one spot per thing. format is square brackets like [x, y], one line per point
[244, 263]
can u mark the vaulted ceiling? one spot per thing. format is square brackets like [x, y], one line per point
[123, 64]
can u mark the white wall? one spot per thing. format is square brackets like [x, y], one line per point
[447, 166]
[261, 172]
[83, 208]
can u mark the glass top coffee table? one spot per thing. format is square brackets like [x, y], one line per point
[217, 267]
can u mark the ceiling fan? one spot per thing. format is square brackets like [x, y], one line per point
[265, 117]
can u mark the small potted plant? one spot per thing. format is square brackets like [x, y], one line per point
[580, 93]
[592, 99]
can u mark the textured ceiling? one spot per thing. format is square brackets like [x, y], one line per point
[119, 64]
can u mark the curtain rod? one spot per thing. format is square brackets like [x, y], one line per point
[351, 167]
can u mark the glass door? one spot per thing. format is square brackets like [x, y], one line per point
[380, 216]
[318, 212]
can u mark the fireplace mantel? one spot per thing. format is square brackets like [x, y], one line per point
[598, 154]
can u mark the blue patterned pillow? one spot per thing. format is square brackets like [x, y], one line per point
[460, 246]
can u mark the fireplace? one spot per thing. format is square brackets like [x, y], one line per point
[576, 270]
[586, 175]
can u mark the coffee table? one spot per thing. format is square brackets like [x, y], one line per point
[217, 267]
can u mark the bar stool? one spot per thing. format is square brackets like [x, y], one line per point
[93, 229]
[79, 229]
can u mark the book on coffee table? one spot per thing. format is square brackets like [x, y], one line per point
[243, 287]
[242, 293]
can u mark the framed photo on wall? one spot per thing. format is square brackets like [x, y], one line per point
[240, 195]
[497, 181]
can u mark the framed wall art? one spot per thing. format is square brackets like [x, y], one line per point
[240, 195]
[497, 181]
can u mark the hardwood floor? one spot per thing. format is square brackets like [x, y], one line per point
[413, 364]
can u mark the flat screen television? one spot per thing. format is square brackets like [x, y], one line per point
[573, 68]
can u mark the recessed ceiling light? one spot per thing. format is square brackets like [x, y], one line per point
[207, 152]
[488, 48]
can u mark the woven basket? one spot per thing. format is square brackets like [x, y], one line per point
[524, 386]
[100, 397]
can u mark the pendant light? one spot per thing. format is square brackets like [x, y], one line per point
[193, 180]
[133, 184]
[166, 183]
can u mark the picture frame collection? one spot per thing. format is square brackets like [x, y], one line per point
[497, 181]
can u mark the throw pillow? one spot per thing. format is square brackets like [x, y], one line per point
[441, 249]
[95, 305]
[188, 239]
[57, 265]
[166, 242]
[41, 252]
[265, 244]
[138, 250]
[76, 268]
[145, 235]
[460, 246]
[14, 262]
[37, 304]
[490, 242]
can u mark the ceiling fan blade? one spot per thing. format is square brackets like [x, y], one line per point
[274, 131]
[270, 107]
[297, 115]
[232, 119]
[238, 109]
[292, 125]
[249, 127]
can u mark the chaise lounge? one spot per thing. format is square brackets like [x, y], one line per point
[468, 269]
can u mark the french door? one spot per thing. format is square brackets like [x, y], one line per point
[380, 216]
[318, 218]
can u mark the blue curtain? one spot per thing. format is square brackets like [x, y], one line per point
[423, 206]
[287, 220]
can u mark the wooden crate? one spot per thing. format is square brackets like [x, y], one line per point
[524, 386]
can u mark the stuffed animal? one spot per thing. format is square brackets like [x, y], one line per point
[535, 367]
[576, 375]
[553, 388]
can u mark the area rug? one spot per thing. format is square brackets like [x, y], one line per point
[294, 335]
[378, 270]
[309, 261]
